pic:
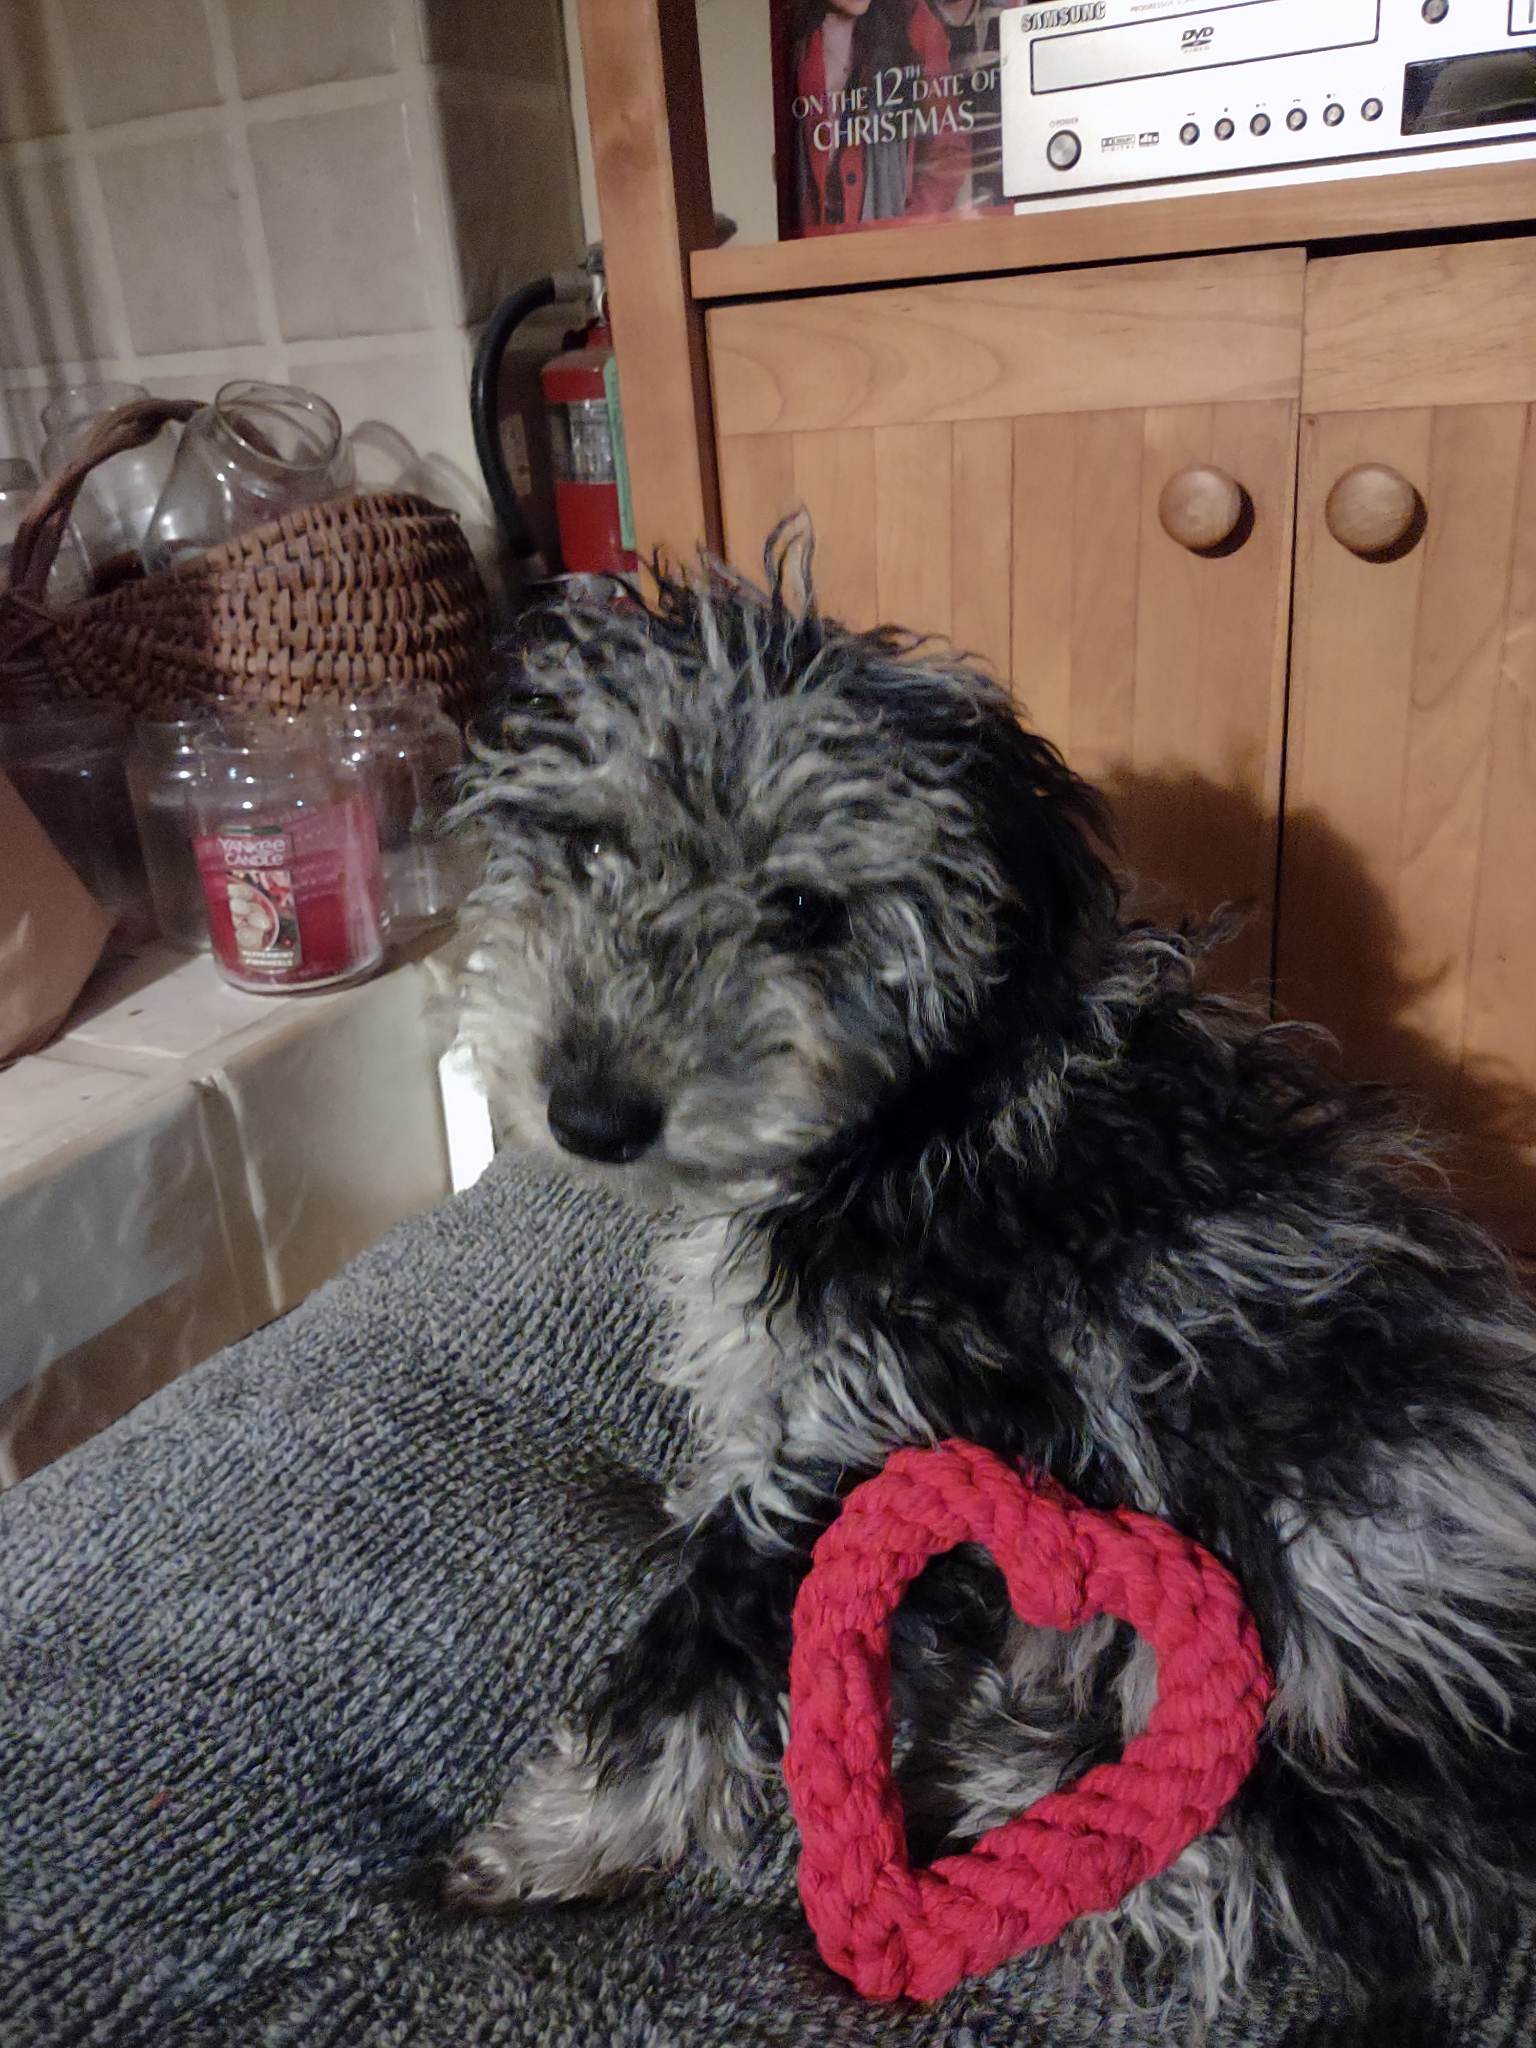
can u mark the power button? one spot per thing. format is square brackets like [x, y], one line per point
[1063, 150]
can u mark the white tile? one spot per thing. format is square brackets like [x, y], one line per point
[203, 384]
[21, 430]
[339, 208]
[409, 421]
[137, 57]
[29, 88]
[280, 44]
[420, 400]
[521, 40]
[53, 301]
[509, 165]
[174, 217]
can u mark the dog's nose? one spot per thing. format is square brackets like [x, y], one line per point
[598, 1124]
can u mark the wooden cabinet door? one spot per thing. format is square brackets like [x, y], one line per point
[985, 460]
[1408, 871]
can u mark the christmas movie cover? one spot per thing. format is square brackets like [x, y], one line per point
[885, 110]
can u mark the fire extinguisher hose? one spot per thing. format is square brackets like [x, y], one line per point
[484, 389]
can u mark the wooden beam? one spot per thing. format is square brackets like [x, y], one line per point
[1420, 201]
[645, 105]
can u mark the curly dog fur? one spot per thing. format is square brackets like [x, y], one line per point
[798, 935]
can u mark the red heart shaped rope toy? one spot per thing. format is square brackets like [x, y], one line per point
[898, 1932]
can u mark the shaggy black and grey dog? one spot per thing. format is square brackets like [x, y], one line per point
[797, 934]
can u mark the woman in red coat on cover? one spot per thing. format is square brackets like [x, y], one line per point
[871, 141]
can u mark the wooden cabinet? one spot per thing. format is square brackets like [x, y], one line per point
[1408, 874]
[1003, 426]
[1008, 461]
[987, 460]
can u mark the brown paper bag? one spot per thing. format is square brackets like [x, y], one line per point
[51, 931]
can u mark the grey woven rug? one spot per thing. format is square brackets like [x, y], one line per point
[267, 1645]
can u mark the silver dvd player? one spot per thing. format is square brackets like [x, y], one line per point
[1102, 95]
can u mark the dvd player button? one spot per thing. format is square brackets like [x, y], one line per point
[1259, 125]
[1333, 114]
[1224, 130]
[1189, 132]
[1371, 111]
[1063, 149]
[1296, 119]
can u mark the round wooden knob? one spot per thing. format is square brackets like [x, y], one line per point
[1200, 507]
[1372, 509]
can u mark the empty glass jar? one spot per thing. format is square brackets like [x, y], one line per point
[411, 753]
[66, 762]
[289, 857]
[18, 487]
[115, 503]
[163, 767]
[258, 451]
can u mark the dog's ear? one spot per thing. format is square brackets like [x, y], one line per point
[1050, 835]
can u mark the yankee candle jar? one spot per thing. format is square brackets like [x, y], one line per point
[289, 857]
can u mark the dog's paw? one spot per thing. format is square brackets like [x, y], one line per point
[487, 1870]
[555, 1838]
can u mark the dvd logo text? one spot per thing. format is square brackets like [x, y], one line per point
[1196, 38]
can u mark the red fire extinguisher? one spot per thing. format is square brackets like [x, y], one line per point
[581, 396]
[587, 439]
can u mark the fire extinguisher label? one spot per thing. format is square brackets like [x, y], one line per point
[514, 453]
[620, 454]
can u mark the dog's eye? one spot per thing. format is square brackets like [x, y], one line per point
[584, 849]
[807, 917]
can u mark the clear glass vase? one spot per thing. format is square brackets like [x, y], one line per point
[163, 768]
[67, 579]
[116, 501]
[258, 451]
[66, 761]
[411, 752]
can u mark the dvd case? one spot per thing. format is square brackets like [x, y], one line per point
[885, 110]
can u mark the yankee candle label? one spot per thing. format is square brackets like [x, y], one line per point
[297, 905]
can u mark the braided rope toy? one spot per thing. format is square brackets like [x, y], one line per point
[898, 1932]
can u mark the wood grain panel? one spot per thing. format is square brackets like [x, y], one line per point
[1200, 793]
[1351, 654]
[1454, 324]
[645, 105]
[1214, 328]
[1496, 1099]
[758, 488]
[913, 483]
[1473, 482]
[1500, 1014]
[1393, 689]
[1409, 839]
[1106, 583]
[1042, 599]
[1422, 201]
[981, 542]
[835, 480]
[1076, 575]
[1161, 674]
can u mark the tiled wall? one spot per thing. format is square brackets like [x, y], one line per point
[323, 192]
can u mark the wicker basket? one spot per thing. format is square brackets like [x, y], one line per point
[330, 602]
